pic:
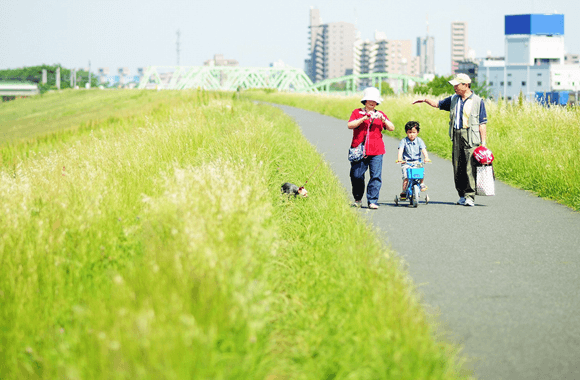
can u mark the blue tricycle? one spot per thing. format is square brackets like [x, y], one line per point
[415, 173]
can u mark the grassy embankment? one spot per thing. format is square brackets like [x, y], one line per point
[41, 124]
[535, 148]
[156, 245]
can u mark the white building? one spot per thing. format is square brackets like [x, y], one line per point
[565, 77]
[572, 59]
[535, 59]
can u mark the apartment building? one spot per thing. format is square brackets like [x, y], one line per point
[387, 56]
[459, 49]
[332, 48]
[336, 51]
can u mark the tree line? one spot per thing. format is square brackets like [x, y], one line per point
[33, 74]
[440, 86]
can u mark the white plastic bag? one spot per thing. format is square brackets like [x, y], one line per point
[485, 181]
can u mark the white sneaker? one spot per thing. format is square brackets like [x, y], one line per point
[461, 201]
[469, 202]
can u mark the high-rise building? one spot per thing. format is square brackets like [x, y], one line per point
[332, 48]
[459, 49]
[426, 54]
[366, 56]
[386, 56]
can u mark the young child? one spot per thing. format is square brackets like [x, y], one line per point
[410, 149]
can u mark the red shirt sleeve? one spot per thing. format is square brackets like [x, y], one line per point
[356, 114]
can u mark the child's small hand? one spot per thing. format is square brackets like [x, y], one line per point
[427, 160]
[399, 161]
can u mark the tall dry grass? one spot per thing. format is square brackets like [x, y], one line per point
[162, 248]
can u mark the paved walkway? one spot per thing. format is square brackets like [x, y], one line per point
[504, 275]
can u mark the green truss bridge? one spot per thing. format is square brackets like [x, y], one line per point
[284, 79]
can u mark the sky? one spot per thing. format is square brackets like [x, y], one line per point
[256, 33]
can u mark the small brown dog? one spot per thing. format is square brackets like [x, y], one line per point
[290, 188]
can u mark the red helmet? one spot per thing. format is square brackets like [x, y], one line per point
[483, 155]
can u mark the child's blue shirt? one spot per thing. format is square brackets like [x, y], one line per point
[412, 149]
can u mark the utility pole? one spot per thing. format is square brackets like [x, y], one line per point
[178, 34]
[89, 84]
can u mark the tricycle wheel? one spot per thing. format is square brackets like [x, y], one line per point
[415, 196]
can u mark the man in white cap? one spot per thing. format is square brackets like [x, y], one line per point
[467, 130]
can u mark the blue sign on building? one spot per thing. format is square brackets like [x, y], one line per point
[534, 24]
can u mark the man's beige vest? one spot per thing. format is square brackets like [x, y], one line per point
[470, 118]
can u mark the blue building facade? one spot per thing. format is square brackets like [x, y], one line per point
[534, 24]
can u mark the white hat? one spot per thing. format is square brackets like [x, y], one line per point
[460, 78]
[371, 93]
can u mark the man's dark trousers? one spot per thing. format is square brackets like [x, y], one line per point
[464, 165]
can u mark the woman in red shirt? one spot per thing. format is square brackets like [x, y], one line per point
[367, 124]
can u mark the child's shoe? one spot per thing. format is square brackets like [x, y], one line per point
[424, 187]
[403, 196]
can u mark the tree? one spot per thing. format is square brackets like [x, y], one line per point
[440, 86]
[338, 86]
[34, 74]
[480, 89]
[386, 89]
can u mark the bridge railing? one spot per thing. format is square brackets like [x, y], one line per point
[351, 84]
[225, 78]
[284, 79]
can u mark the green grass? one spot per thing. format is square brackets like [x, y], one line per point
[535, 148]
[46, 122]
[158, 246]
